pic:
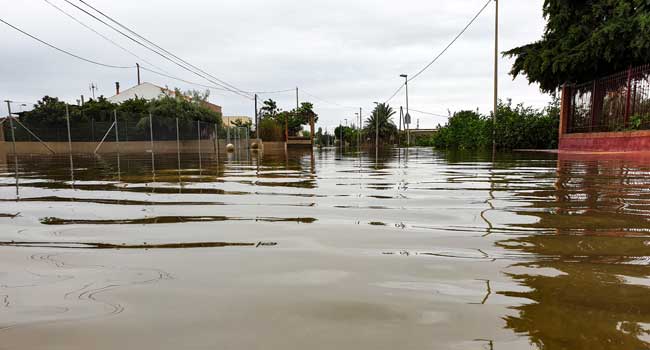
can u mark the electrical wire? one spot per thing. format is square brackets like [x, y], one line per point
[153, 50]
[451, 43]
[435, 59]
[328, 102]
[429, 113]
[220, 82]
[271, 92]
[64, 51]
[144, 68]
[100, 34]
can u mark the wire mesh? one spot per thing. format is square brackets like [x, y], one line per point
[131, 127]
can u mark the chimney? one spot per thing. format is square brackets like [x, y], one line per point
[117, 87]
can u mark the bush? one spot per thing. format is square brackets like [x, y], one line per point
[517, 127]
[270, 130]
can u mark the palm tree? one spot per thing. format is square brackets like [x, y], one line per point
[382, 116]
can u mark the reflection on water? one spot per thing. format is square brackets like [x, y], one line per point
[569, 237]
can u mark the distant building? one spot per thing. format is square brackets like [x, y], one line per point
[232, 121]
[149, 91]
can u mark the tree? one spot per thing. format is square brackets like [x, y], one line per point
[269, 109]
[47, 112]
[382, 115]
[294, 119]
[100, 109]
[585, 40]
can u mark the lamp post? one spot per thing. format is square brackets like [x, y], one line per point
[407, 117]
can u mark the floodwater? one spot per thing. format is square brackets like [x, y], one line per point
[416, 250]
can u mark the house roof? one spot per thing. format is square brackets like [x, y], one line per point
[151, 91]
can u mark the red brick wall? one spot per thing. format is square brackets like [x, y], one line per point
[632, 141]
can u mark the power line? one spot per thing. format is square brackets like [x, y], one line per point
[221, 82]
[100, 34]
[151, 49]
[435, 59]
[429, 113]
[64, 51]
[271, 92]
[452, 42]
[327, 102]
[144, 68]
[395, 94]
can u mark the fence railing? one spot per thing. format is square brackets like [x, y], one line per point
[129, 127]
[619, 102]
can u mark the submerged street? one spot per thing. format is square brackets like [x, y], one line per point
[416, 250]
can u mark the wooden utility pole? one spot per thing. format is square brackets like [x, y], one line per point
[496, 79]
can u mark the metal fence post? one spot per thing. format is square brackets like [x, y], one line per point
[67, 118]
[628, 97]
[13, 143]
[214, 139]
[198, 128]
[153, 156]
[117, 144]
[178, 150]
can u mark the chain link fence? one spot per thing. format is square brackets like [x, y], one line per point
[114, 126]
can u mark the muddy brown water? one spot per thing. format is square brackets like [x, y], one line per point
[416, 250]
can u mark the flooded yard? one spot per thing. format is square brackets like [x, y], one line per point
[416, 250]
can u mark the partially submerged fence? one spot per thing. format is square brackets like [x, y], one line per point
[115, 128]
[620, 102]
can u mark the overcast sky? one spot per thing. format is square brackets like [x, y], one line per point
[348, 53]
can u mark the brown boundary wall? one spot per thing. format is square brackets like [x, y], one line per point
[128, 147]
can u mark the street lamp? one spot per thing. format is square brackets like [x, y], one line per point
[407, 118]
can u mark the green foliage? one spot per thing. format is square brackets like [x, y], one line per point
[585, 40]
[269, 109]
[270, 130]
[50, 112]
[100, 109]
[639, 122]
[323, 139]
[349, 134]
[381, 118]
[294, 119]
[464, 130]
[47, 112]
[518, 127]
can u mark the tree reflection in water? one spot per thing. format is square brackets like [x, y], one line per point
[589, 281]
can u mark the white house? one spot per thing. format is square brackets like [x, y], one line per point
[149, 91]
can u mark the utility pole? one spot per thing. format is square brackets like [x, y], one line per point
[93, 87]
[496, 79]
[401, 120]
[376, 113]
[13, 134]
[297, 100]
[360, 127]
[407, 117]
[341, 136]
[257, 125]
[137, 65]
